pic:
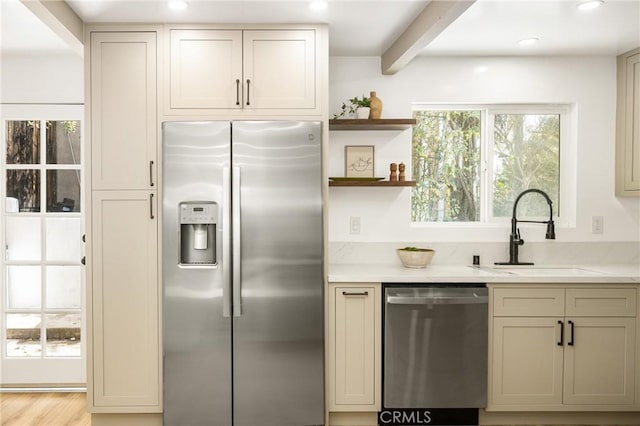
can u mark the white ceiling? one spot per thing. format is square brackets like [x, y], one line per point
[22, 32]
[494, 27]
[367, 28]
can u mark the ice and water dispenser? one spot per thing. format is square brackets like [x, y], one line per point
[198, 221]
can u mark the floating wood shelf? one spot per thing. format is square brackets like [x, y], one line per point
[378, 124]
[373, 183]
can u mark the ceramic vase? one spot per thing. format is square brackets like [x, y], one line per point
[376, 106]
[363, 112]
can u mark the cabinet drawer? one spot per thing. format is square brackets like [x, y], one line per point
[601, 302]
[528, 302]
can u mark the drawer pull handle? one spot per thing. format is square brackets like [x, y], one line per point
[151, 216]
[346, 293]
[248, 83]
[571, 338]
[151, 173]
[561, 342]
[237, 91]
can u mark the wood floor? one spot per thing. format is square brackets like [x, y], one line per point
[44, 409]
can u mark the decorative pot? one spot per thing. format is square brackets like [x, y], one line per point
[415, 257]
[363, 112]
[376, 106]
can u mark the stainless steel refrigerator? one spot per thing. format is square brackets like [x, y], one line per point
[243, 273]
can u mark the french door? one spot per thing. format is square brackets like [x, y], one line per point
[41, 274]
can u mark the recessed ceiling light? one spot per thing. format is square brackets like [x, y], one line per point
[591, 4]
[528, 41]
[481, 68]
[177, 4]
[318, 5]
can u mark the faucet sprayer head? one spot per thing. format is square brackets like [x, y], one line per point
[551, 231]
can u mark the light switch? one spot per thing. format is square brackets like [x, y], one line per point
[597, 224]
[354, 225]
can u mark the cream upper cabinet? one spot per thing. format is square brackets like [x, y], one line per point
[205, 69]
[628, 125]
[579, 355]
[247, 71]
[355, 347]
[123, 110]
[279, 69]
[125, 367]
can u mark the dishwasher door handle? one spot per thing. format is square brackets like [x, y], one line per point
[436, 300]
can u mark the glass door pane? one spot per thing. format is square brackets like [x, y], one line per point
[23, 335]
[63, 335]
[23, 142]
[24, 187]
[23, 287]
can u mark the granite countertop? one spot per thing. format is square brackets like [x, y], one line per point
[390, 273]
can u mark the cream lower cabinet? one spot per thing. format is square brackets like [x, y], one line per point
[124, 368]
[236, 70]
[355, 347]
[527, 362]
[599, 368]
[563, 349]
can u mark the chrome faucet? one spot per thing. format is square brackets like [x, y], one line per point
[515, 240]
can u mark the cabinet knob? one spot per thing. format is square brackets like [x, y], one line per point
[83, 260]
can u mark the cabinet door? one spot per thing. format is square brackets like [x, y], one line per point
[279, 69]
[354, 324]
[526, 366]
[123, 110]
[632, 124]
[600, 365]
[205, 69]
[125, 297]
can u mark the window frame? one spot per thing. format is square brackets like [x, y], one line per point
[567, 160]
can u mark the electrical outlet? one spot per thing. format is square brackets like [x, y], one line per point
[354, 225]
[597, 224]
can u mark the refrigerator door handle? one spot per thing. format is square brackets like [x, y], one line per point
[226, 242]
[236, 239]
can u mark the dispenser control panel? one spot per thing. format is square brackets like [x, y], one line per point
[198, 233]
[198, 213]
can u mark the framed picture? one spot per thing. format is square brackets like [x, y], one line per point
[358, 161]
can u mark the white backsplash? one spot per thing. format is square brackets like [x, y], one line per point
[541, 253]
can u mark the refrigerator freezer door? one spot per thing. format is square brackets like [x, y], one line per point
[197, 334]
[278, 337]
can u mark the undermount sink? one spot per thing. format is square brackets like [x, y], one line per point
[533, 270]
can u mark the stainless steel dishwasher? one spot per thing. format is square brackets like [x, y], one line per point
[435, 346]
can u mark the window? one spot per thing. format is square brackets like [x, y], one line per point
[470, 163]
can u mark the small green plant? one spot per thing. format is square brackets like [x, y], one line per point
[352, 105]
[414, 249]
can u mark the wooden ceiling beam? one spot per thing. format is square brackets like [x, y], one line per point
[58, 15]
[432, 20]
